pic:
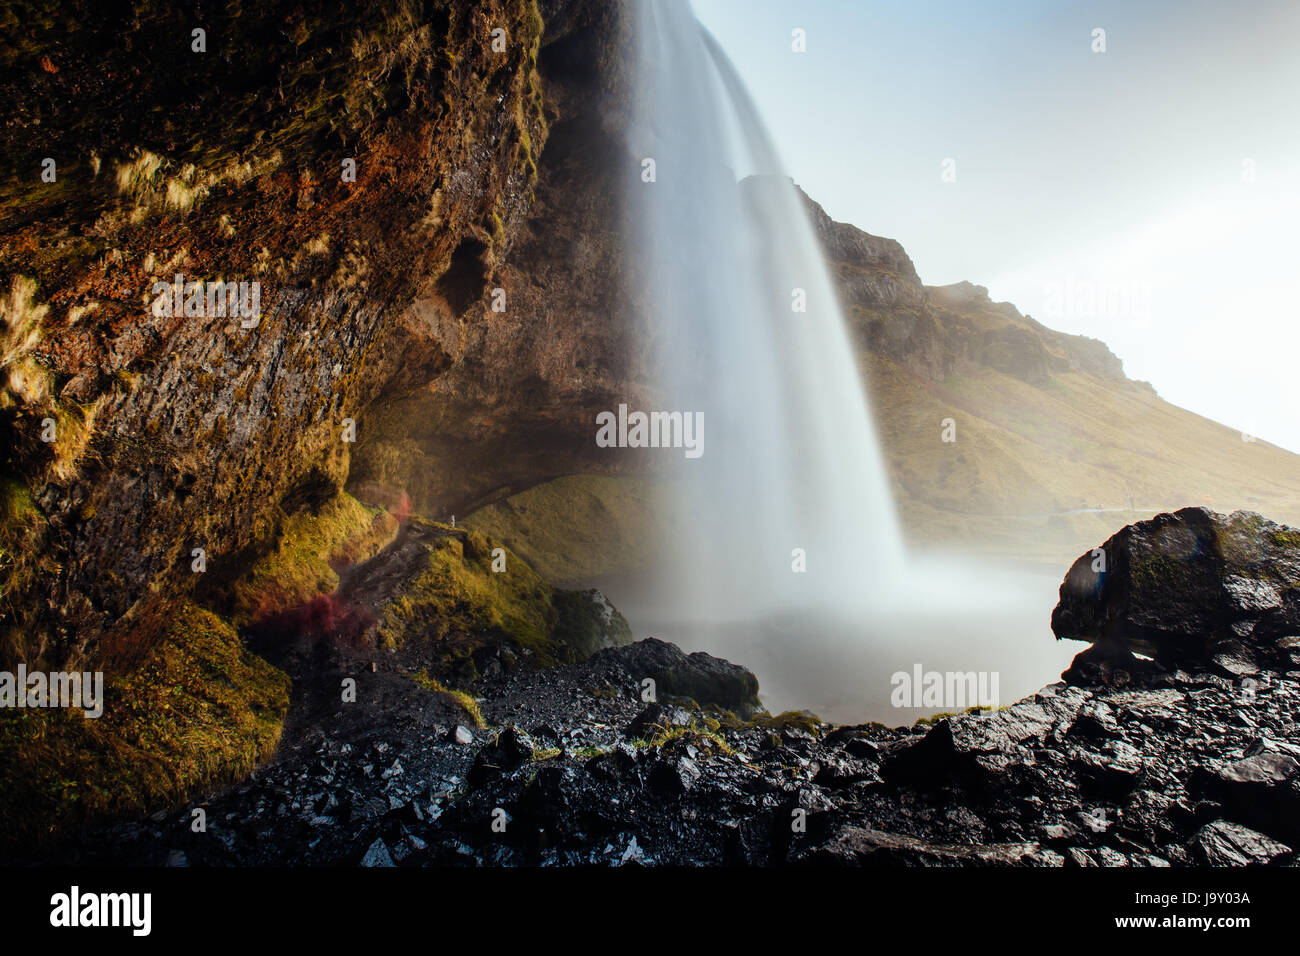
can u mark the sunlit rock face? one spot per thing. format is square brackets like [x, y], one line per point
[349, 162]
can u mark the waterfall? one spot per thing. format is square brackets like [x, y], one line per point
[782, 547]
[749, 333]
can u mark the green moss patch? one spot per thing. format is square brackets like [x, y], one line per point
[22, 559]
[466, 592]
[797, 719]
[198, 710]
[1162, 574]
[461, 699]
[459, 600]
[309, 550]
[703, 736]
[580, 527]
[1285, 538]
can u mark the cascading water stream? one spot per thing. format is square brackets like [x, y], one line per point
[749, 333]
[785, 552]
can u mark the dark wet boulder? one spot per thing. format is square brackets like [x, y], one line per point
[551, 801]
[1112, 666]
[511, 749]
[1262, 789]
[1265, 770]
[1095, 721]
[1111, 771]
[698, 677]
[977, 745]
[658, 718]
[616, 765]
[672, 776]
[377, 855]
[840, 769]
[1229, 844]
[856, 741]
[1192, 589]
[589, 623]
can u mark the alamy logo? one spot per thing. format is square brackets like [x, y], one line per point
[79, 691]
[951, 690]
[75, 908]
[212, 300]
[1077, 298]
[651, 430]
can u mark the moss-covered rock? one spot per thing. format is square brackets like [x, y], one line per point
[307, 556]
[186, 707]
[457, 598]
[588, 622]
[454, 602]
[1189, 588]
[578, 528]
[801, 720]
[466, 702]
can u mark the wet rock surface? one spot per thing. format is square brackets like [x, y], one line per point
[207, 427]
[1191, 585]
[1152, 764]
[1183, 769]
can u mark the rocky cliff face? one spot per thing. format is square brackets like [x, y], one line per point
[1052, 445]
[173, 481]
[533, 355]
[229, 155]
[937, 331]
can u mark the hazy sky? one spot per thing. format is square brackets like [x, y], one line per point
[1148, 196]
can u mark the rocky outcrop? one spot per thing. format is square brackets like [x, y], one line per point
[444, 602]
[1191, 587]
[871, 271]
[697, 678]
[589, 623]
[938, 331]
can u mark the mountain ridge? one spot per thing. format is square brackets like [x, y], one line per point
[875, 272]
[1052, 440]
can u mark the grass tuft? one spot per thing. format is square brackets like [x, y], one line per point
[463, 700]
[705, 737]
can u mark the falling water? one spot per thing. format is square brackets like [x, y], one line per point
[750, 334]
[785, 549]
